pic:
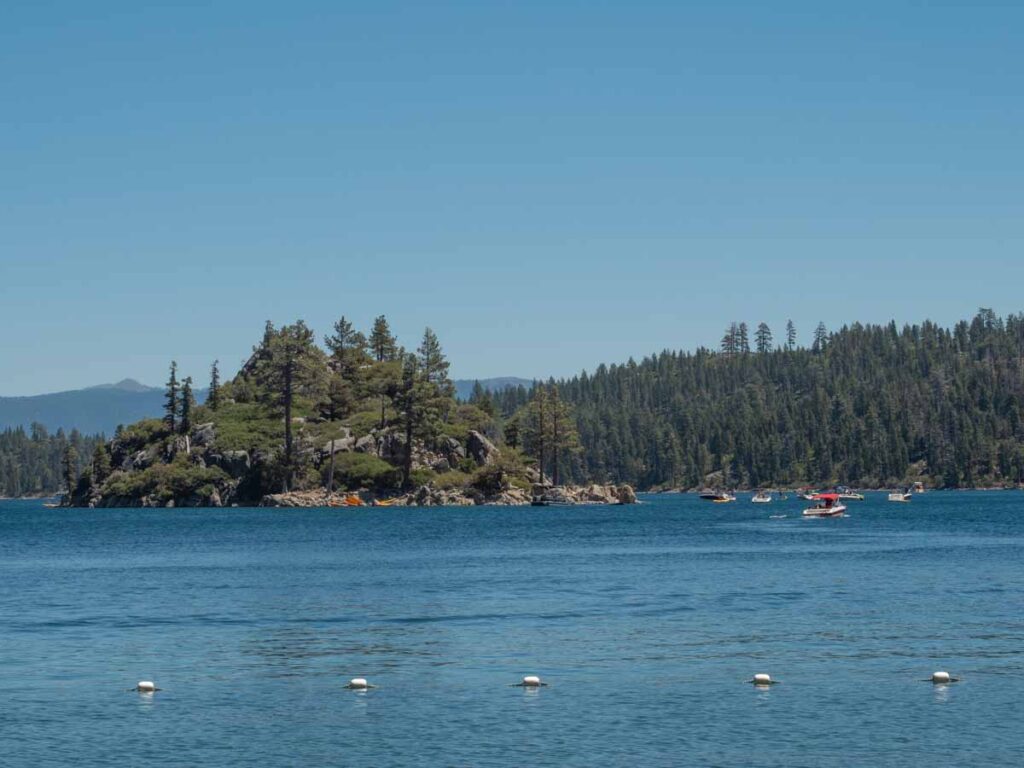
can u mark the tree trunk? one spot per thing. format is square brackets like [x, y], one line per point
[330, 473]
[288, 427]
[407, 468]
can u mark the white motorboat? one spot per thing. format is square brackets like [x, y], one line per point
[761, 497]
[902, 496]
[828, 506]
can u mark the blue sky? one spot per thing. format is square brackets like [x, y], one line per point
[548, 185]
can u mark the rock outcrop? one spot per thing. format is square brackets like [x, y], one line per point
[480, 449]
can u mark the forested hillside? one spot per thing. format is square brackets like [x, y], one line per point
[33, 462]
[865, 405]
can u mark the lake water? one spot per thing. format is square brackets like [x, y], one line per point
[645, 621]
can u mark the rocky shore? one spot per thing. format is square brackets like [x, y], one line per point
[428, 496]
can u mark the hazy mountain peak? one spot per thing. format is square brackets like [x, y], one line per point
[126, 385]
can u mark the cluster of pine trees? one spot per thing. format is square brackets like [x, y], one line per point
[867, 405]
[37, 462]
[411, 391]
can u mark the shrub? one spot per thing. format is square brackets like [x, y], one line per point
[361, 470]
[451, 480]
[420, 477]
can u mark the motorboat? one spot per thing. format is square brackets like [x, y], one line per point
[847, 495]
[718, 497]
[917, 487]
[761, 497]
[902, 496]
[828, 506]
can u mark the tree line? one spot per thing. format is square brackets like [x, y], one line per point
[868, 405]
[35, 462]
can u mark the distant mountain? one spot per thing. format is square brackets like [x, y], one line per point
[464, 387]
[102, 407]
[94, 409]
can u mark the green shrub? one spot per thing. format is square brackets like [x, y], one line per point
[137, 436]
[165, 481]
[360, 470]
[245, 426]
[420, 477]
[452, 480]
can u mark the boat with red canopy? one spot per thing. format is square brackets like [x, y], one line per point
[828, 506]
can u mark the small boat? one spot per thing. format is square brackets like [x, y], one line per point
[51, 505]
[549, 501]
[383, 502]
[846, 494]
[352, 500]
[917, 487]
[761, 497]
[902, 496]
[807, 495]
[828, 506]
[718, 497]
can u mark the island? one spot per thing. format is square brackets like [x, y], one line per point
[357, 421]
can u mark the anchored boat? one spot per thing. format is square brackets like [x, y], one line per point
[718, 497]
[761, 497]
[902, 496]
[828, 506]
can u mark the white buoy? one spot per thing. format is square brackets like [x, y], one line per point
[940, 678]
[531, 681]
[146, 686]
[762, 679]
[358, 683]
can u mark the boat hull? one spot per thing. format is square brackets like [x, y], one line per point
[836, 510]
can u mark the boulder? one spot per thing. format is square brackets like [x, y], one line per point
[204, 434]
[366, 444]
[235, 463]
[626, 494]
[481, 449]
[391, 446]
[441, 466]
[343, 445]
[140, 460]
[452, 450]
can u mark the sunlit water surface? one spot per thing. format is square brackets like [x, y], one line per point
[645, 620]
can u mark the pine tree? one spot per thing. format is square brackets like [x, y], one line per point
[100, 464]
[338, 404]
[564, 438]
[292, 367]
[383, 344]
[418, 410]
[348, 350]
[434, 367]
[731, 340]
[188, 403]
[820, 338]
[511, 432]
[743, 339]
[70, 468]
[763, 339]
[536, 427]
[171, 399]
[790, 335]
[213, 397]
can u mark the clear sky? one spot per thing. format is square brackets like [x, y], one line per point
[548, 185]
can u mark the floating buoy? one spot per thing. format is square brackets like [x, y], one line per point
[530, 681]
[358, 684]
[762, 679]
[942, 678]
[146, 686]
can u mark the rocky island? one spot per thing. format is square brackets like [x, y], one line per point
[363, 421]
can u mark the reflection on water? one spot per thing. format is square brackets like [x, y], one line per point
[647, 618]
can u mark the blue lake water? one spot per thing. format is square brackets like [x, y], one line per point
[645, 621]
